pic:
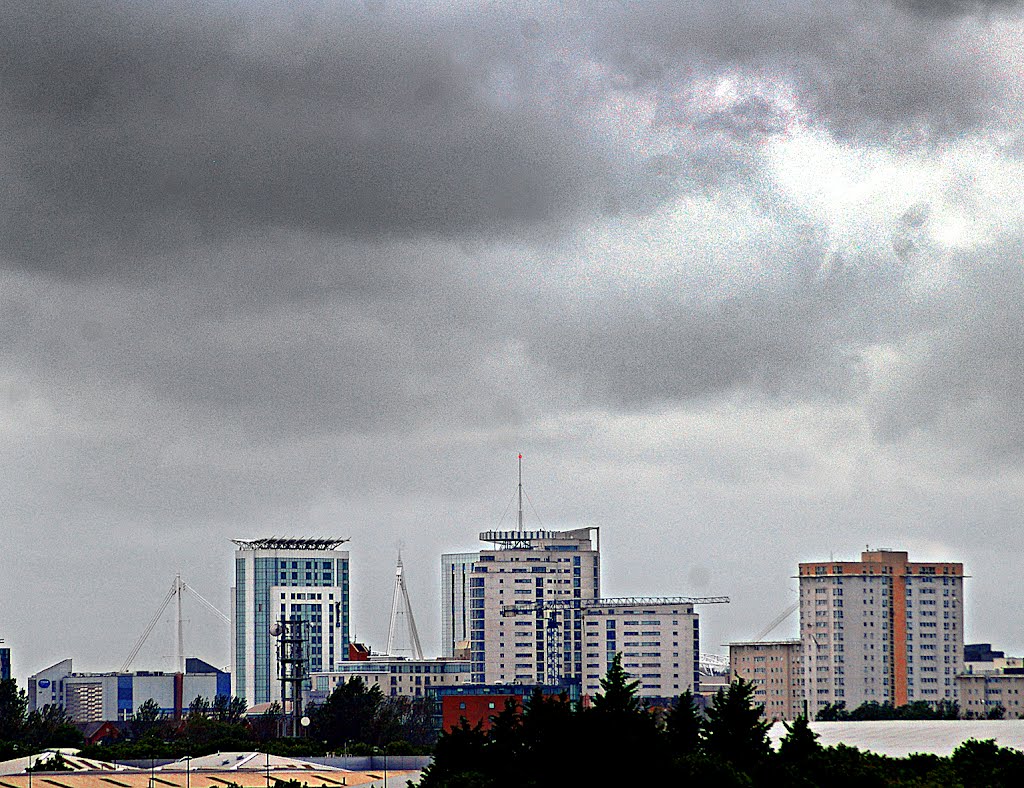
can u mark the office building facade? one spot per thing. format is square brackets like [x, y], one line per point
[881, 629]
[525, 570]
[659, 643]
[278, 580]
[456, 571]
[774, 667]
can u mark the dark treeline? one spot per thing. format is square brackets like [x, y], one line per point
[918, 710]
[552, 742]
[355, 719]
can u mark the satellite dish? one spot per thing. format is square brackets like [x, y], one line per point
[304, 722]
[275, 629]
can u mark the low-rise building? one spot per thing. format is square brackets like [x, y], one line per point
[478, 703]
[981, 693]
[396, 676]
[774, 667]
[99, 697]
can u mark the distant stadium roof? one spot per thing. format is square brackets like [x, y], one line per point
[289, 543]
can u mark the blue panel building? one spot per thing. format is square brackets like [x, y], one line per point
[286, 580]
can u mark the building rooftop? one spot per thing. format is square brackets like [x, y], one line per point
[524, 540]
[289, 543]
[783, 642]
[900, 738]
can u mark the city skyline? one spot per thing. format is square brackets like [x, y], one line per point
[742, 283]
[296, 547]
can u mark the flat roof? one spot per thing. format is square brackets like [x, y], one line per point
[289, 543]
[790, 642]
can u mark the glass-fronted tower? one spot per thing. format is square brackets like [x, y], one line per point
[456, 571]
[286, 579]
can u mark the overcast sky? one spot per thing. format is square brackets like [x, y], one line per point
[742, 281]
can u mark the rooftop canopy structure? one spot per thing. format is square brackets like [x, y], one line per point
[289, 543]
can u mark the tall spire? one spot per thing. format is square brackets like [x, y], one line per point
[400, 606]
[520, 493]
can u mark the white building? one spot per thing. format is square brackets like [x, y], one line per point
[531, 568]
[659, 643]
[286, 580]
[881, 629]
[99, 697]
[456, 571]
[396, 676]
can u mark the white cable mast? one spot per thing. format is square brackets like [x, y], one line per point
[400, 605]
[178, 587]
[179, 662]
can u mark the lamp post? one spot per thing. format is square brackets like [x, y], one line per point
[29, 771]
[188, 771]
[384, 753]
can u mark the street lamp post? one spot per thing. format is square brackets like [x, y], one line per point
[188, 771]
[379, 751]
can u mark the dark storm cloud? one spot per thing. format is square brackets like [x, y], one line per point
[132, 128]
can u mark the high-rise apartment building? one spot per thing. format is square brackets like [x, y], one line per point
[530, 568]
[775, 669]
[286, 580]
[659, 643]
[5, 663]
[456, 571]
[881, 629]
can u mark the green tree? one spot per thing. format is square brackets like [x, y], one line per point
[226, 708]
[618, 693]
[51, 726]
[199, 708]
[983, 764]
[683, 726]
[832, 712]
[352, 713]
[268, 725]
[735, 729]
[13, 705]
[800, 743]
[997, 712]
[460, 759]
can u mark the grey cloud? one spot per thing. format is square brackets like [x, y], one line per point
[867, 70]
[962, 378]
[132, 130]
[141, 128]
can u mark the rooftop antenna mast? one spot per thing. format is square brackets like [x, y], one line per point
[520, 493]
